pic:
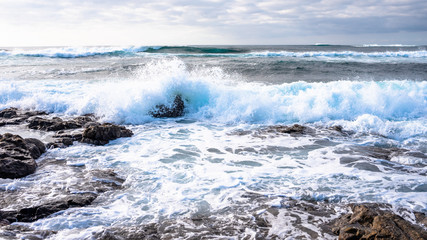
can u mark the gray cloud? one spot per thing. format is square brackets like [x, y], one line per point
[257, 20]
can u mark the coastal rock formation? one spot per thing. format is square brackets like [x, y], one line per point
[14, 116]
[57, 124]
[176, 110]
[34, 213]
[17, 155]
[42, 201]
[369, 221]
[101, 134]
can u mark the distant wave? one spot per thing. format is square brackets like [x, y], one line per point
[386, 45]
[188, 51]
[78, 52]
[343, 54]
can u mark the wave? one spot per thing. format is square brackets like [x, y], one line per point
[79, 52]
[212, 95]
[386, 45]
[344, 54]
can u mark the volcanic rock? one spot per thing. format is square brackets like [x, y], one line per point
[175, 110]
[17, 155]
[369, 221]
[101, 134]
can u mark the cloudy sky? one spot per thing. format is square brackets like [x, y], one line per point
[185, 22]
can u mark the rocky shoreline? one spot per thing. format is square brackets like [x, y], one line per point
[18, 159]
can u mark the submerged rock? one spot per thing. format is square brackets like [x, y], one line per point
[296, 128]
[176, 110]
[101, 134]
[369, 221]
[17, 155]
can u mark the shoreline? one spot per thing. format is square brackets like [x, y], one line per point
[351, 221]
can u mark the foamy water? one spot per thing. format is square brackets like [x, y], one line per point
[208, 160]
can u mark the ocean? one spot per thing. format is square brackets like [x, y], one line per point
[226, 162]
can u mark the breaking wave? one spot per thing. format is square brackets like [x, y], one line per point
[210, 94]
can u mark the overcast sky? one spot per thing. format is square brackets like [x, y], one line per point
[185, 22]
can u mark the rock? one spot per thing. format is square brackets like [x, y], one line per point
[65, 138]
[369, 221]
[147, 231]
[36, 147]
[101, 134]
[57, 124]
[8, 113]
[17, 155]
[296, 128]
[24, 232]
[176, 110]
[34, 213]
[54, 124]
[14, 116]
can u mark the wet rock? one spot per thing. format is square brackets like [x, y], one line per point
[53, 124]
[65, 138]
[58, 124]
[103, 180]
[34, 213]
[17, 155]
[370, 221]
[101, 134]
[386, 153]
[176, 110]
[145, 232]
[14, 116]
[296, 128]
[8, 113]
[24, 232]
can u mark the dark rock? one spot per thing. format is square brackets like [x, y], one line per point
[8, 113]
[34, 213]
[17, 155]
[14, 116]
[101, 134]
[370, 221]
[36, 147]
[58, 124]
[24, 232]
[337, 128]
[144, 232]
[54, 124]
[175, 110]
[296, 128]
[65, 138]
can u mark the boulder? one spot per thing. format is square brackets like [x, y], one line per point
[101, 134]
[17, 155]
[370, 221]
[175, 110]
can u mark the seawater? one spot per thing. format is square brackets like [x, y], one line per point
[205, 162]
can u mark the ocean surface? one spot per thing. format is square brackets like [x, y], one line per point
[225, 147]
